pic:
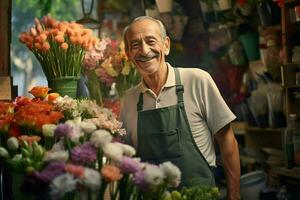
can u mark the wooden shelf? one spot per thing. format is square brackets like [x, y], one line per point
[287, 172]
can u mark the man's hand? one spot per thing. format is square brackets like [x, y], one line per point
[231, 160]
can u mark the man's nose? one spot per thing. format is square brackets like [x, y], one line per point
[144, 48]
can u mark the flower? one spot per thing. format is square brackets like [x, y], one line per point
[84, 154]
[172, 173]
[59, 155]
[59, 46]
[62, 184]
[100, 138]
[39, 91]
[63, 130]
[129, 165]
[48, 130]
[111, 173]
[105, 64]
[91, 179]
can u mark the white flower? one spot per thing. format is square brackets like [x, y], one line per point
[153, 175]
[91, 179]
[13, 144]
[3, 153]
[113, 151]
[76, 130]
[58, 146]
[172, 173]
[88, 127]
[100, 138]
[56, 156]
[62, 184]
[48, 130]
[127, 150]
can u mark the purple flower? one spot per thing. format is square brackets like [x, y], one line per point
[84, 154]
[63, 130]
[139, 180]
[129, 165]
[51, 171]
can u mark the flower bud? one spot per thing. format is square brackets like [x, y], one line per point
[38, 152]
[25, 153]
[13, 144]
[48, 130]
[3, 153]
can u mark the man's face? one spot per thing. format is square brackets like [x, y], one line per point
[146, 47]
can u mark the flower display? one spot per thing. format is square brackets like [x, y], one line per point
[76, 156]
[58, 46]
[105, 64]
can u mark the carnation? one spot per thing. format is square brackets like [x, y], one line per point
[84, 154]
[61, 185]
[48, 130]
[154, 176]
[113, 151]
[91, 179]
[129, 165]
[172, 173]
[100, 138]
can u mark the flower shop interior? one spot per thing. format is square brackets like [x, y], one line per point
[251, 48]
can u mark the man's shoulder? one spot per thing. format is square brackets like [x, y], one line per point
[193, 73]
[131, 94]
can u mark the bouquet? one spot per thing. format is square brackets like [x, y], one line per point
[107, 65]
[59, 47]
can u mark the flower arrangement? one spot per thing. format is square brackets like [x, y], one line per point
[105, 64]
[75, 153]
[59, 46]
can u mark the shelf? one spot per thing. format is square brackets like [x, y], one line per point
[291, 2]
[287, 172]
[293, 87]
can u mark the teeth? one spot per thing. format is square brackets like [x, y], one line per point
[145, 59]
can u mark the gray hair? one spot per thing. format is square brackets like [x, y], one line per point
[142, 18]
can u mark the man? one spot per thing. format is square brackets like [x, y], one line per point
[175, 114]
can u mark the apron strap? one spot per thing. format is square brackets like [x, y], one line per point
[179, 86]
[140, 102]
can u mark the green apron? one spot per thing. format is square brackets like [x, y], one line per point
[164, 134]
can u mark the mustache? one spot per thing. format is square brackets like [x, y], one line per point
[149, 56]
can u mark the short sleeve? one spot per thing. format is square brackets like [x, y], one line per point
[216, 111]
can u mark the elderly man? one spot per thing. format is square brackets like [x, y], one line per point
[176, 113]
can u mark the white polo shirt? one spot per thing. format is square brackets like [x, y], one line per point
[206, 110]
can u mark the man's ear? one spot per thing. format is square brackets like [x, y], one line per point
[167, 45]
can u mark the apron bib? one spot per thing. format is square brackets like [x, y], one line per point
[164, 134]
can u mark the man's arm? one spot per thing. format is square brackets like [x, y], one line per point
[231, 160]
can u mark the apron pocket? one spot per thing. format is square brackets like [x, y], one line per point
[161, 145]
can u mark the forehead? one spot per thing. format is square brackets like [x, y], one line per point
[143, 28]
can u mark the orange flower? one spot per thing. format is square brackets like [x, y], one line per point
[39, 91]
[59, 39]
[111, 173]
[14, 130]
[51, 97]
[64, 46]
[76, 170]
[29, 139]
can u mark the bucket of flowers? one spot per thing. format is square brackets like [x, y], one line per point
[59, 47]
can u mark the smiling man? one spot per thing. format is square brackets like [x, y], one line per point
[176, 114]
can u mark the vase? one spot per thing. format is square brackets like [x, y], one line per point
[66, 85]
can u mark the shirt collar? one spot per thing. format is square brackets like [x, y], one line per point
[169, 83]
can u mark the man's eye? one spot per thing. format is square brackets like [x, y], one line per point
[151, 42]
[135, 45]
